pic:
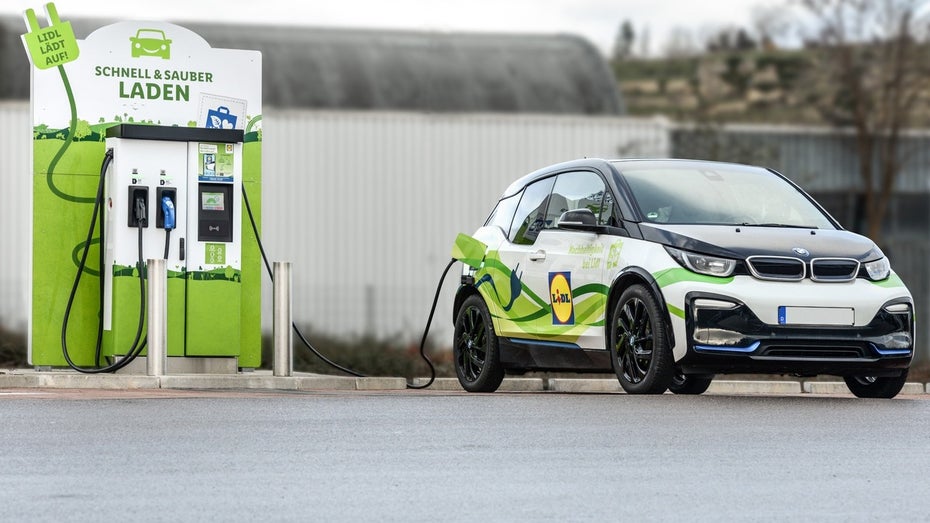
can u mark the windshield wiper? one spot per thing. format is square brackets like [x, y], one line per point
[747, 224]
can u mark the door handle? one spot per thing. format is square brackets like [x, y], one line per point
[538, 255]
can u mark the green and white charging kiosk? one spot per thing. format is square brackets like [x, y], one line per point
[199, 171]
[183, 121]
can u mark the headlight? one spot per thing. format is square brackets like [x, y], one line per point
[878, 269]
[702, 263]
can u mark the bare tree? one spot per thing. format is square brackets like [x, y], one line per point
[623, 43]
[681, 44]
[872, 68]
[772, 24]
[644, 42]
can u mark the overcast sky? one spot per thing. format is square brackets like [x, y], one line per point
[597, 20]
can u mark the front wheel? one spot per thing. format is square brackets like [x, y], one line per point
[639, 348]
[475, 349]
[690, 383]
[872, 387]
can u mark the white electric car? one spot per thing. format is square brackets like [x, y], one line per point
[671, 271]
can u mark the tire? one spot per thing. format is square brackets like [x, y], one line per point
[870, 387]
[690, 383]
[475, 348]
[639, 348]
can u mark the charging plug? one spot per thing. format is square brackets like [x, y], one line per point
[167, 209]
[166, 214]
[138, 206]
[140, 212]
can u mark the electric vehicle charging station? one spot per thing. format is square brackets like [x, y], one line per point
[145, 124]
[168, 130]
[180, 185]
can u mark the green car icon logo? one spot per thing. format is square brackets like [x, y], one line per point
[150, 42]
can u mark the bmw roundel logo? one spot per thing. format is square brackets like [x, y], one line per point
[800, 251]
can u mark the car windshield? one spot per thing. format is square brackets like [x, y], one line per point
[719, 195]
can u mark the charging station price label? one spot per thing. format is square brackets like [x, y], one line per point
[51, 46]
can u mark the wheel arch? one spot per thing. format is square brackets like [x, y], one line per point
[628, 277]
[463, 292]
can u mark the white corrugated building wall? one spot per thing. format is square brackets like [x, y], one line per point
[15, 213]
[367, 204]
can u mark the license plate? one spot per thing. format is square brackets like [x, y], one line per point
[816, 316]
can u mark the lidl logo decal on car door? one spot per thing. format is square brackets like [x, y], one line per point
[560, 297]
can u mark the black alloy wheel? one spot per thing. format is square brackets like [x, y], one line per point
[690, 383]
[872, 387]
[640, 352]
[475, 349]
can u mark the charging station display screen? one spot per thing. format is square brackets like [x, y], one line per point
[212, 201]
[215, 215]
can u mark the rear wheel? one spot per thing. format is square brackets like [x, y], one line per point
[640, 352]
[872, 387]
[475, 349]
[690, 383]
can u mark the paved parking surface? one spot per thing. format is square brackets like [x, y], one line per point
[158, 455]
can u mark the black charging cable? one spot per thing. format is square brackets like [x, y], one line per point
[137, 347]
[303, 339]
[429, 321]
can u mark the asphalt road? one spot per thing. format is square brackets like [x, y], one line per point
[426, 456]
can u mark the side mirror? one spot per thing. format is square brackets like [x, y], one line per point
[578, 220]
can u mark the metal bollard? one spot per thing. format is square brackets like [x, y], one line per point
[283, 320]
[157, 306]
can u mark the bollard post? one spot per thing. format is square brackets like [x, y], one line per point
[157, 319]
[283, 320]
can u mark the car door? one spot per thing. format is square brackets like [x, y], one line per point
[566, 267]
[515, 306]
[555, 289]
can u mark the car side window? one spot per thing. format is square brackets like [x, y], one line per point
[531, 213]
[578, 190]
[502, 215]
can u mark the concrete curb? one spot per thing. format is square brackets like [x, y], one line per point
[839, 387]
[264, 380]
[754, 387]
[584, 385]
[60, 380]
[217, 382]
[259, 380]
[508, 385]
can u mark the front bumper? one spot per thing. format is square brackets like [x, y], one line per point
[726, 339]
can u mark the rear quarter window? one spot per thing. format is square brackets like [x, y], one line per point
[530, 217]
[502, 215]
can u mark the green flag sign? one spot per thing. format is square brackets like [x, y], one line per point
[50, 46]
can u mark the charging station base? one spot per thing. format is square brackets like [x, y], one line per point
[186, 365]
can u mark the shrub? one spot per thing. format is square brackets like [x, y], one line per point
[12, 349]
[366, 355]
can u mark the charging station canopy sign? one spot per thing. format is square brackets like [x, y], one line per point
[148, 72]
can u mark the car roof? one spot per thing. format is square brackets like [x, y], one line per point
[608, 166]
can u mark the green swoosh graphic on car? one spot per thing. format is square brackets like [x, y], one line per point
[528, 312]
[496, 264]
[890, 282]
[675, 311]
[672, 276]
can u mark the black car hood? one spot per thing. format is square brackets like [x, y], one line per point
[738, 242]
